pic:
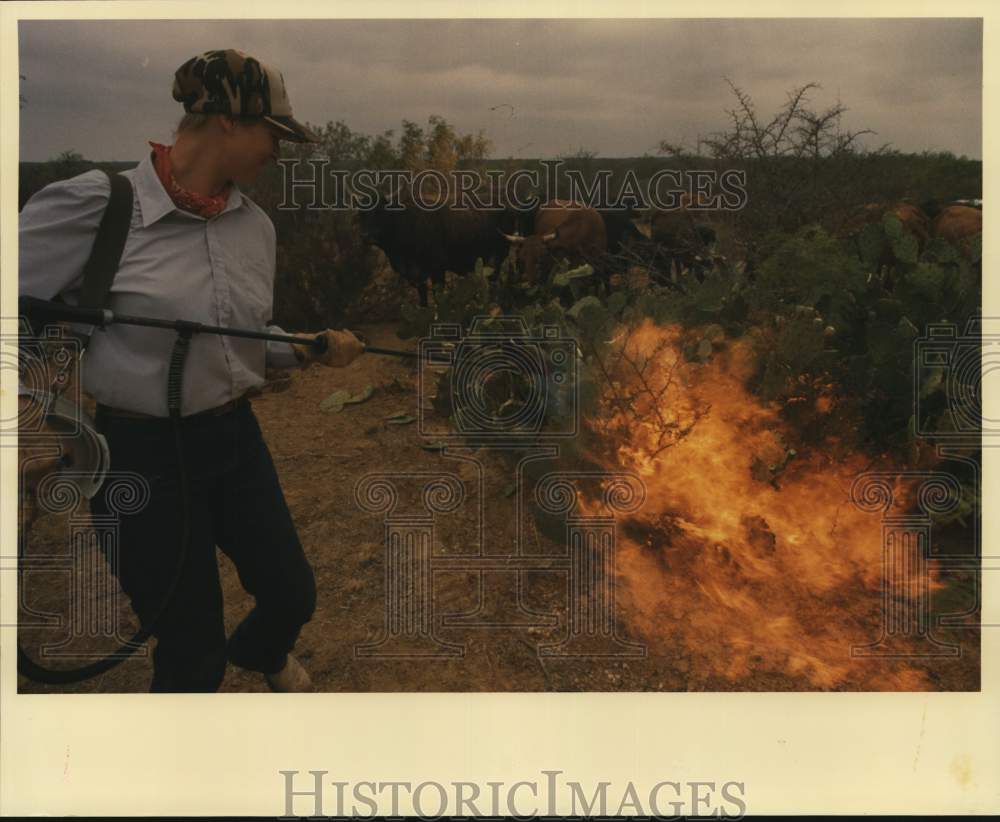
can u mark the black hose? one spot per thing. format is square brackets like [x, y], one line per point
[68, 676]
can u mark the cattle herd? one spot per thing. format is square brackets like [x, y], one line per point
[422, 243]
[956, 223]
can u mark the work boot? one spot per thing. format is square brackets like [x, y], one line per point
[292, 679]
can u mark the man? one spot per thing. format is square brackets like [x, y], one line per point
[197, 249]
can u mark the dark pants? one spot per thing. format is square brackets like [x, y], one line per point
[236, 504]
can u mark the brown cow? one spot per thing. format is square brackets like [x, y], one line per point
[958, 225]
[572, 229]
[913, 219]
[683, 236]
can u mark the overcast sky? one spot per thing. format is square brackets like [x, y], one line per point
[536, 88]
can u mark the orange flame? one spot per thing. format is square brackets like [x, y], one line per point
[748, 562]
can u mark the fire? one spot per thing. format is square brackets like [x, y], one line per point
[748, 562]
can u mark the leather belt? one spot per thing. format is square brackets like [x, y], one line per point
[219, 410]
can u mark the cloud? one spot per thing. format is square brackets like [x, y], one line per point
[617, 86]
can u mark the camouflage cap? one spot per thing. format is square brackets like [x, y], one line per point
[227, 81]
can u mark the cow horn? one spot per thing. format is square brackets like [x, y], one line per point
[548, 238]
[644, 228]
[515, 239]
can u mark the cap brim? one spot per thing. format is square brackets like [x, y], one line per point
[293, 129]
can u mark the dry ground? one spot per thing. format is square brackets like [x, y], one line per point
[319, 457]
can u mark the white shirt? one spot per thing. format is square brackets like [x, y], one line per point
[175, 265]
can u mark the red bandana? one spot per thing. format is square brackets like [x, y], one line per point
[198, 204]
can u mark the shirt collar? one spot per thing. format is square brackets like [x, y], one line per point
[155, 203]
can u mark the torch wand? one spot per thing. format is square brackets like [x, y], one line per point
[102, 317]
